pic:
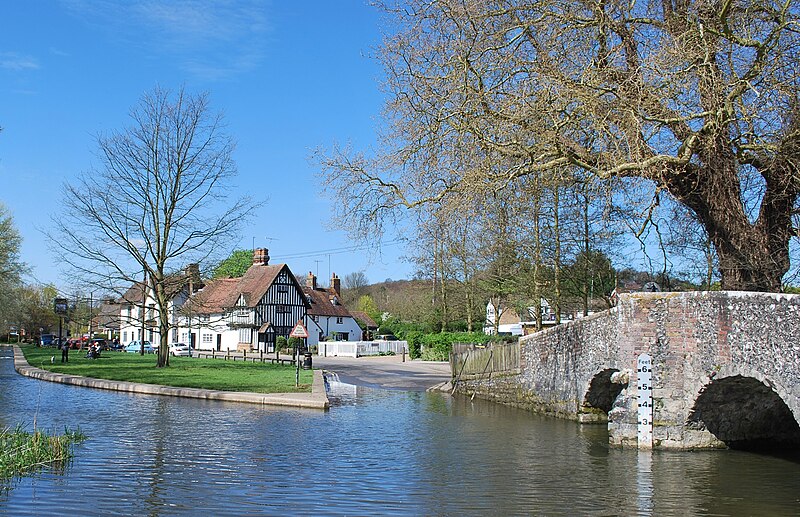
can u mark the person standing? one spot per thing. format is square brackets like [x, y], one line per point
[65, 352]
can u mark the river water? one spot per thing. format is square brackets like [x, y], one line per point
[376, 452]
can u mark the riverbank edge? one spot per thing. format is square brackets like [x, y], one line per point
[317, 399]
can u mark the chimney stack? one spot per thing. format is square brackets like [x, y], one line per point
[261, 257]
[311, 281]
[336, 284]
[192, 273]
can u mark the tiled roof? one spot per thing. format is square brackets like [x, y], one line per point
[254, 283]
[321, 304]
[364, 318]
[133, 295]
[173, 284]
[213, 298]
[223, 293]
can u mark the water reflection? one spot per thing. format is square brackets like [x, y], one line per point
[375, 452]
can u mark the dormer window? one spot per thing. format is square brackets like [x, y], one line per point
[310, 299]
[335, 300]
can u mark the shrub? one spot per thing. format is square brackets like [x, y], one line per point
[295, 343]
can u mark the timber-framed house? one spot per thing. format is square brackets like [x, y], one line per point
[250, 312]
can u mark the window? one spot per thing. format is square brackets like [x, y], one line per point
[315, 317]
[185, 337]
[124, 336]
[283, 289]
[208, 338]
[284, 309]
[339, 321]
[245, 335]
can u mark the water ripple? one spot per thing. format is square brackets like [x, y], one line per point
[375, 452]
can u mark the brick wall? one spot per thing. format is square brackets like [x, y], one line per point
[693, 339]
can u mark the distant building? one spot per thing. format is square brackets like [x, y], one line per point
[327, 317]
[107, 319]
[368, 325]
[511, 323]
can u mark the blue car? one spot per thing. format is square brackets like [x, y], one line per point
[134, 347]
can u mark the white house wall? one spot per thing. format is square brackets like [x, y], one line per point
[327, 326]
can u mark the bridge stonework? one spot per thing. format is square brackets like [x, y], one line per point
[726, 367]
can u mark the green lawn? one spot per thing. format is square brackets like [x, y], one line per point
[185, 372]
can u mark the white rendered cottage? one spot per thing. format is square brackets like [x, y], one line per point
[138, 313]
[326, 317]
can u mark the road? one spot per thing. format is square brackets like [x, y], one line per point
[387, 372]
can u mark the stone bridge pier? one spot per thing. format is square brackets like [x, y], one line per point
[725, 370]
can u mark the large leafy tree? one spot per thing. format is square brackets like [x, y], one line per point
[235, 265]
[698, 98]
[11, 269]
[158, 201]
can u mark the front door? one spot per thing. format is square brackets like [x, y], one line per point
[219, 342]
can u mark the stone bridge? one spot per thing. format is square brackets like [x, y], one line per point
[725, 370]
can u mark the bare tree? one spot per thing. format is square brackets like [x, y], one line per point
[698, 97]
[158, 202]
[355, 280]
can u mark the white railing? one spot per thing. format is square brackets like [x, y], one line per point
[360, 348]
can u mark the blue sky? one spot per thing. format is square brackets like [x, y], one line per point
[288, 76]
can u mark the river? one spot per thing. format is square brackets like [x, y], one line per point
[376, 452]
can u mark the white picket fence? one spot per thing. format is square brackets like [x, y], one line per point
[360, 348]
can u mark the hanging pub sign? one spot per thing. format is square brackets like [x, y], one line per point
[61, 306]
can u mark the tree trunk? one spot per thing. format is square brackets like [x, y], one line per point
[753, 256]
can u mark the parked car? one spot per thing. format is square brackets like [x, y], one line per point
[386, 337]
[180, 350]
[47, 339]
[134, 347]
[75, 343]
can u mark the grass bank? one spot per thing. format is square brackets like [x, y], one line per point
[183, 372]
[22, 452]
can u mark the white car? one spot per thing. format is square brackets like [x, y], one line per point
[180, 349]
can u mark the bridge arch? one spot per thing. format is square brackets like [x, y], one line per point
[744, 412]
[603, 389]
